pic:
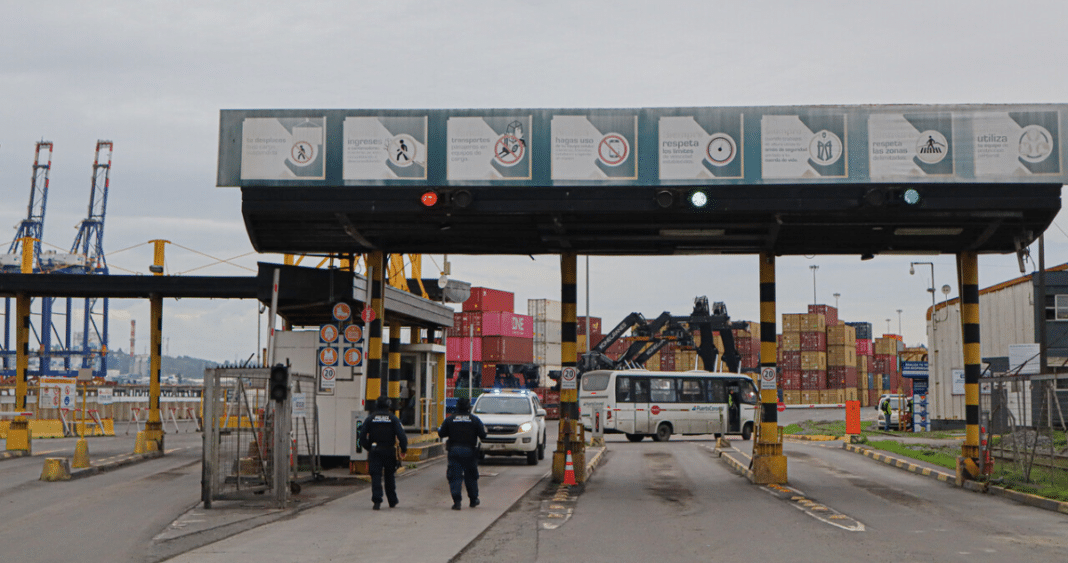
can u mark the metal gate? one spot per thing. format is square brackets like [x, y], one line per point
[256, 448]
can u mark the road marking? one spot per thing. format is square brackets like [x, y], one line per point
[815, 509]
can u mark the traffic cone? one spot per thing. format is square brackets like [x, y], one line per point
[569, 470]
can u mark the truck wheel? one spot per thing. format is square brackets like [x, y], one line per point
[541, 448]
[663, 432]
[635, 437]
[532, 457]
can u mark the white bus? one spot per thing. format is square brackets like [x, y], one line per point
[642, 403]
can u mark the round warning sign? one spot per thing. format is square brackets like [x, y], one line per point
[767, 378]
[342, 312]
[328, 373]
[301, 153]
[721, 149]
[825, 148]
[613, 149]
[655, 409]
[569, 378]
[509, 150]
[1036, 144]
[931, 147]
[403, 150]
[353, 334]
[353, 356]
[328, 334]
[781, 407]
[327, 356]
[368, 315]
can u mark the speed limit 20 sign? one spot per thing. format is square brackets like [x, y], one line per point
[767, 378]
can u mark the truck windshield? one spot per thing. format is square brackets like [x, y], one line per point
[502, 405]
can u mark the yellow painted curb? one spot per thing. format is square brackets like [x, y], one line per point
[55, 469]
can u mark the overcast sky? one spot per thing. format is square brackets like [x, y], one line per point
[152, 76]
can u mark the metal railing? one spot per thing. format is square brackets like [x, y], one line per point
[1023, 423]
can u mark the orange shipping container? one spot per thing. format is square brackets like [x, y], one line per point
[791, 341]
[841, 356]
[841, 335]
[791, 322]
[813, 322]
[813, 361]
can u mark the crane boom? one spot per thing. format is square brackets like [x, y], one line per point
[33, 225]
[89, 243]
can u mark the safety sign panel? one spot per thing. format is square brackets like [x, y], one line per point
[68, 392]
[489, 147]
[105, 396]
[353, 334]
[569, 378]
[328, 356]
[300, 405]
[385, 147]
[342, 312]
[328, 334]
[702, 146]
[48, 397]
[586, 147]
[1016, 143]
[283, 148]
[353, 357]
[910, 145]
[795, 146]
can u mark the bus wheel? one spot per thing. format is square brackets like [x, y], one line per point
[635, 437]
[747, 431]
[663, 432]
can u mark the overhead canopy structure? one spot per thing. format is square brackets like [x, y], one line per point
[858, 180]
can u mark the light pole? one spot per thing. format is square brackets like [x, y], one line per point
[814, 268]
[899, 324]
[887, 326]
[836, 296]
[932, 355]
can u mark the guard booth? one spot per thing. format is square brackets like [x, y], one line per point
[306, 299]
[422, 393]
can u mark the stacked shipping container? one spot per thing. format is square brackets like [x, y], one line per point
[488, 333]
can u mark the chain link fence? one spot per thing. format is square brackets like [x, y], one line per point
[1023, 426]
[256, 448]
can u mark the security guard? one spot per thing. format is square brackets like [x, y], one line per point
[463, 430]
[379, 435]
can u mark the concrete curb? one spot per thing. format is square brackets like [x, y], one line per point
[735, 464]
[112, 463]
[12, 454]
[592, 464]
[974, 486]
[811, 438]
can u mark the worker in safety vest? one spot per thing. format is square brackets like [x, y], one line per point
[886, 413]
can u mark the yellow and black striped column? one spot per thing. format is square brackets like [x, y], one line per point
[18, 435]
[968, 277]
[769, 465]
[154, 424]
[394, 365]
[376, 263]
[570, 437]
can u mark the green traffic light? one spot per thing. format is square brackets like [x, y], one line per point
[699, 199]
[911, 196]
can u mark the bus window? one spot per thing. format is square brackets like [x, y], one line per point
[595, 382]
[690, 391]
[663, 390]
[623, 390]
[749, 393]
[717, 392]
[641, 390]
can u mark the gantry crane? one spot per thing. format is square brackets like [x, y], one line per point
[30, 231]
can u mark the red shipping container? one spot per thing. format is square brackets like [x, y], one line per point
[873, 396]
[507, 349]
[595, 326]
[459, 349]
[813, 341]
[500, 323]
[667, 362]
[841, 377]
[829, 313]
[864, 347]
[486, 299]
[813, 380]
[886, 363]
[791, 360]
[489, 375]
[552, 397]
[790, 380]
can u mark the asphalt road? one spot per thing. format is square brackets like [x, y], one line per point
[677, 502]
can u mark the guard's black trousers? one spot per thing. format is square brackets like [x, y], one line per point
[463, 468]
[378, 463]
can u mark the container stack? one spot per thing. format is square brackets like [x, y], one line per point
[813, 357]
[747, 341]
[789, 359]
[887, 365]
[547, 315]
[488, 333]
[841, 364]
[583, 342]
[865, 363]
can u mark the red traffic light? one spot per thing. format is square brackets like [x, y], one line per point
[430, 199]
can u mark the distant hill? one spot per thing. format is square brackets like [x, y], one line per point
[184, 366]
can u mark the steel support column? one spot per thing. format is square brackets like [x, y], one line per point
[18, 433]
[769, 464]
[376, 263]
[394, 367]
[154, 424]
[968, 466]
[570, 438]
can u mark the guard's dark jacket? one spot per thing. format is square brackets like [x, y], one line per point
[381, 430]
[462, 429]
